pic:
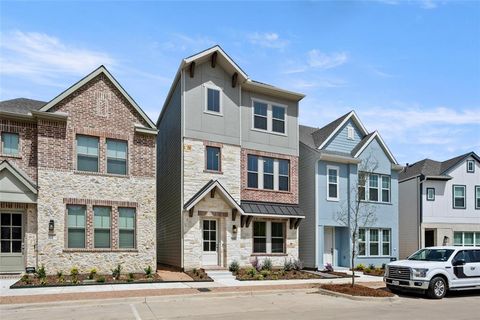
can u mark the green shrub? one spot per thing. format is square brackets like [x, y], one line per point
[274, 277]
[26, 279]
[195, 271]
[41, 272]
[131, 277]
[148, 272]
[371, 266]
[74, 272]
[61, 279]
[258, 277]
[59, 274]
[43, 281]
[234, 267]
[265, 273]
[360, 267]
[298, 264]
[92, 274]
[117, 271]
[288, 265]
[267, 264]
[252, 272]
[101, 279]
[367, 270]
[384, 265]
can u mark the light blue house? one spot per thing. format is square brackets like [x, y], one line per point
[338, 164]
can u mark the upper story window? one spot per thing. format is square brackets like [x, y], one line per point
[87, 153]
[459, 197]
[477, 197]
[268, 173]
[213, 158]
[76, 223]
[213, 99]
[470, 165]
[430, 194]
[350, 133]
[10, 144]
[332, 183]
[374, 187]
[116, 156]
[269, 117]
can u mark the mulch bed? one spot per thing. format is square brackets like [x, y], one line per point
[373, 272]
[198, 275]
[357, 290]
[248, 274]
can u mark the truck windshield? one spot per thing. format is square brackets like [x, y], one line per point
[431, 255]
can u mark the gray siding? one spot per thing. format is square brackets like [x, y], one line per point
[169, 250]
[202, 125]
[409, 223]
[306, 189]
[265, 141]
[340, 142]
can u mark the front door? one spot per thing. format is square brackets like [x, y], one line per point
[328, 245]
[210, 243]
[429, 238]
[11, 242]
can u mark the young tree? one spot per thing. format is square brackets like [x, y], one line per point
[356, 212]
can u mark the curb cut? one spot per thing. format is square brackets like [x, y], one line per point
[355, 298]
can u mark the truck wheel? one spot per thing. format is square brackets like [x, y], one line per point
[437, 288]
[393, 289]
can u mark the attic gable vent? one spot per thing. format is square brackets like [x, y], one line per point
[102, 100]
[350, 133]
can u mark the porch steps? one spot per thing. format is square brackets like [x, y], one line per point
[220, 275]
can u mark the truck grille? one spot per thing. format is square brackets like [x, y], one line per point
[402, 273]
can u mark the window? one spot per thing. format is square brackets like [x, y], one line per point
[470, 166]
[283, 175]
[11, 232]
[477, 197]
[213, 100]
[374, 242]
[260, 115]
[252, 170]
[350, 133]
[277, 237]
[466, 239]
[76, 222]
[458, 197]
[126, 227]
[259, 237]
[210, 235]
[362, 182]
[268, 173]
[430, 194]
[385, 189]
[116, 156]
[101, 224]
[10, 143]
[213, 158]
[373, 187]
[87, 153]
[332, 183]
[269, 116]
[278, 119]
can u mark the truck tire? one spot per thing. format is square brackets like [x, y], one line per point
[393, 289]
[437, 288]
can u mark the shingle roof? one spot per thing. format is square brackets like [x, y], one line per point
[320, 135]
[21, 105]
[428, 167]
[361, 143]
[267, 208]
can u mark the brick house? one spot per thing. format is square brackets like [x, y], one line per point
[77, 180]
[227, 186]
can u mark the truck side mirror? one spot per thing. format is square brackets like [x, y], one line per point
[459, 262]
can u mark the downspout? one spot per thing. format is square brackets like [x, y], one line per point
[182, 134]
[316, 212]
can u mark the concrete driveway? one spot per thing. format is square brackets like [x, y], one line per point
[274, 305]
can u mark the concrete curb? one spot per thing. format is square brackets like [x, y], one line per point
[356, 298]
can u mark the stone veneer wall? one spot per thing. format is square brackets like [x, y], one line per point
[59, 185]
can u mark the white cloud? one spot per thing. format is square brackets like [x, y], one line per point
[41, 57]
[318, 59]
[182, 42]
[428, 4]
[268, 40]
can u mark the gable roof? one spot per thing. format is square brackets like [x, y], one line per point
[357, 151]
[20, 175]
[206, 189]
[21, 105]
[89, 77]
[432, 168]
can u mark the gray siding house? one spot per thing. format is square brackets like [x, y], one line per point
[333, 160]
[227, 167]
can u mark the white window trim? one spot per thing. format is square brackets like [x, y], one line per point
[268, 235]
[380, 243]
[276, 174]
[463, 239]
[464, 196]
[269, 116]
[476, 197]
[220, 99]
[337, 169]
[382, 188]
[350, 133]
[367, 188]
[473, 166]
[430, 198]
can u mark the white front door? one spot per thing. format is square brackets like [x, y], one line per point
[328, 245]
[210, 243]
[11, 249]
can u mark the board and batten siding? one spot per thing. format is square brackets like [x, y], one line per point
[169, 204]
[306, 188]
[409, 221]
[340, 141]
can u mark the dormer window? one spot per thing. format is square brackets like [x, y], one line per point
[213, 100]
[270, 117]
[470, 166]
[350, 133]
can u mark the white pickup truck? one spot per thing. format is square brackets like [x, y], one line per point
[435, 270]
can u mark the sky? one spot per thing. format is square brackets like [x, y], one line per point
[410, 69]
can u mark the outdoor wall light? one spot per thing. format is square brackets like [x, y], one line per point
[234, 228]
[51, 225]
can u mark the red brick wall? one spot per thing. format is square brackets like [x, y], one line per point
[27, 159]
[290, 196]
[96, 109]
